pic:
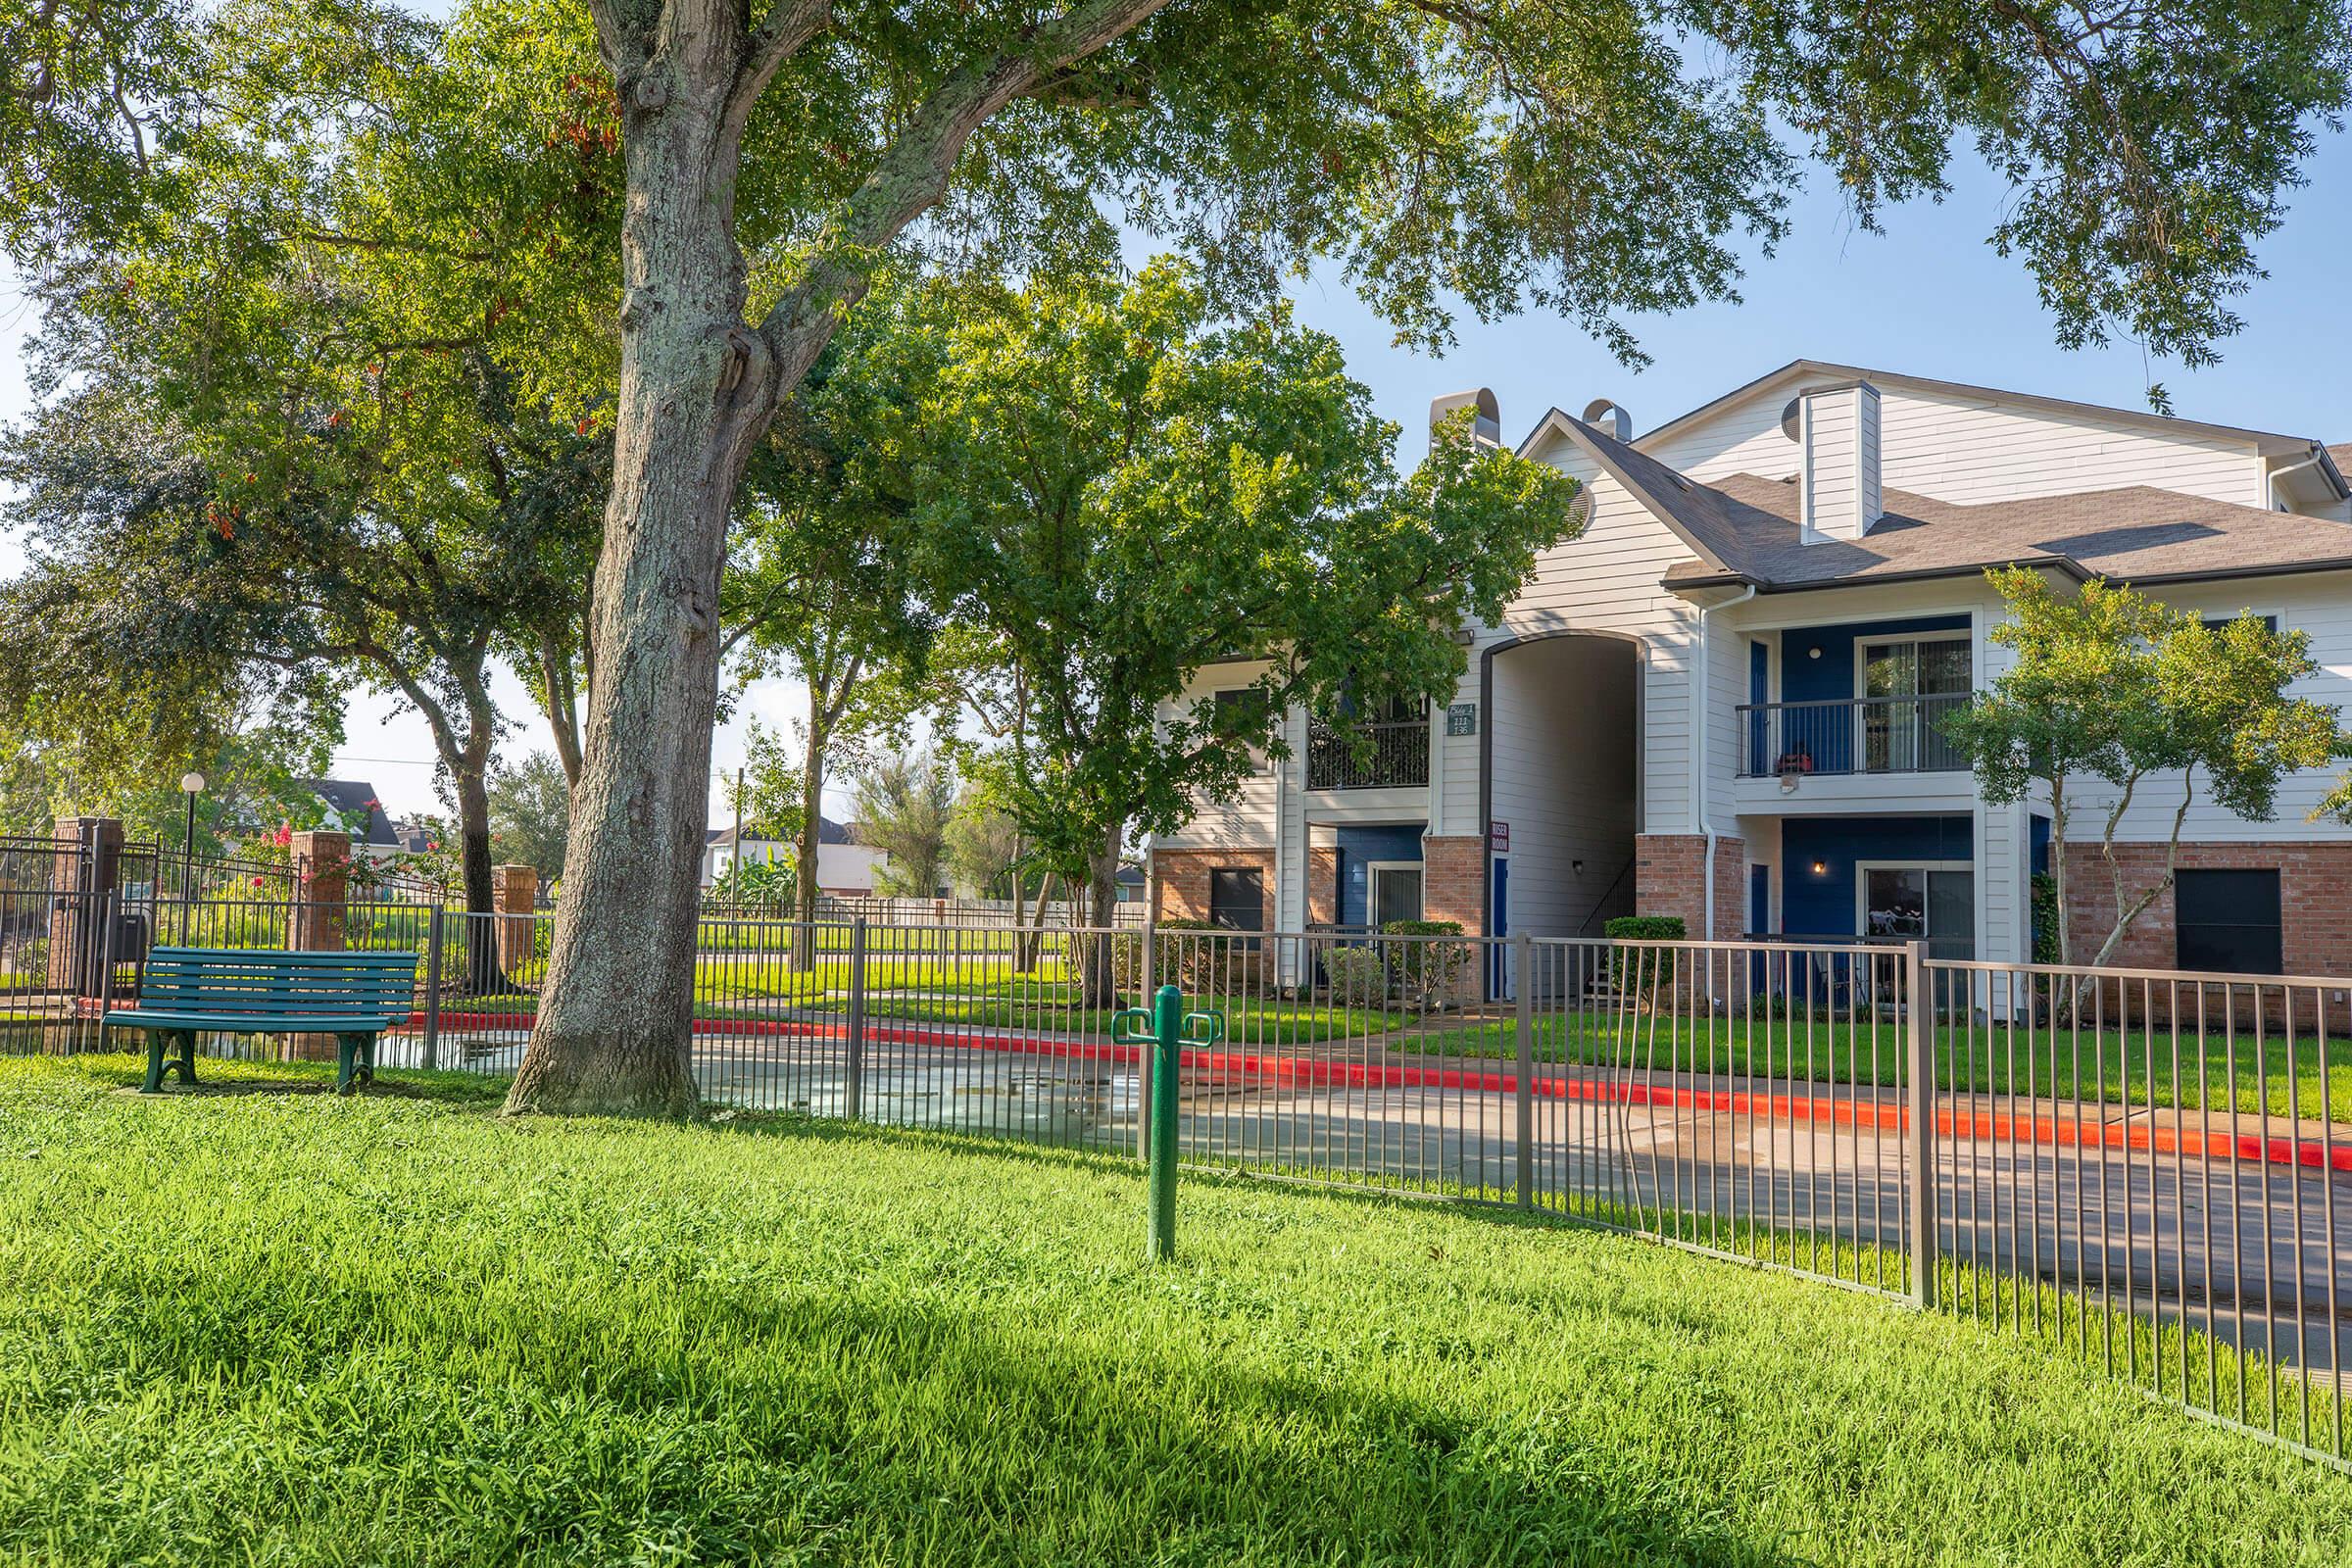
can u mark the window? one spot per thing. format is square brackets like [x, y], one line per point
[1393, 892]
[2217, 622]
[1237, 899]
[2227, 921]
[1907, 688]
[1935, 901]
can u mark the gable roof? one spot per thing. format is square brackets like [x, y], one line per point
[1698, 516]
[355, 801]
[2269, 443]
[2136, 533]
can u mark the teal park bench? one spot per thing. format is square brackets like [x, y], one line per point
[188, 991]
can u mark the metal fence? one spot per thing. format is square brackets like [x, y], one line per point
[2142, 1168]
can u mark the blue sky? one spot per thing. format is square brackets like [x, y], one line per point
[1929, 297]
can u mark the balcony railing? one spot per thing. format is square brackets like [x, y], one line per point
[1395, 755]
[1856, 735]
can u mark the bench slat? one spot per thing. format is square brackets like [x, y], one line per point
[260, 990]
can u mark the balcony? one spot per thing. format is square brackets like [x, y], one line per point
[1856, 735]
[1394, 755]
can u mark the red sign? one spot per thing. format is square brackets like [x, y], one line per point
[1498, 838]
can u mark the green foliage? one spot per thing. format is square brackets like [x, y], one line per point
[530, 814]
[1115, 485]
[765, 794]
[2041, 896]
[1358, 976]
[766, 884]
[2107, 684]
[985, 850]
[1644, 928]
[904, 805]
[1635, 966]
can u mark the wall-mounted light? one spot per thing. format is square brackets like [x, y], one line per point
[1821, 868]
[1578, 867]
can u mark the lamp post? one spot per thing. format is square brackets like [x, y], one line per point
[192, 784]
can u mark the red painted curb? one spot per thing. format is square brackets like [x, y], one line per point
[1987, 1125]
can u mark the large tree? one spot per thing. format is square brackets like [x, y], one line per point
[1500, 155]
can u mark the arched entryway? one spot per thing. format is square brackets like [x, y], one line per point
[1562, 778]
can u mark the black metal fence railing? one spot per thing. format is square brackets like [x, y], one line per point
[1371, 756]
[1856, 735]
[2142, 1168]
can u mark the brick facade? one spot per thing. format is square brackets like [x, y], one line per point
[2315, 901]
[1453, 881]
[1180, 880]
[1323, 886]
[1670, 878]
[515, 892]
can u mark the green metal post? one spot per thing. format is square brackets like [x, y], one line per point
[1167, 1031]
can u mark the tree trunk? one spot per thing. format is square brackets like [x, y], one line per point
[1100, 978]
[811, 844]
[483, 974]
[695, 389]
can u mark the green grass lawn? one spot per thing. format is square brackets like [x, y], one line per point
[285, 1327]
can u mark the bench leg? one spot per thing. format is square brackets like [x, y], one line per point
[347, 1049]
[368, 1057]
[160, 1041]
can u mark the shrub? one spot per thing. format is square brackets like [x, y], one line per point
[1633, 965]
[1429, 973]
[1358, 976]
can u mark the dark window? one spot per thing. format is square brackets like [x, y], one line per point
[2217, 622]
[1237, 899]
[2229, 921]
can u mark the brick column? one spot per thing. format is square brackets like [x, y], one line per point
[89, 857]
[1453, 881]
[1670, 878]
[514, 894]
[321, 897]
[320, 910]
[1323, 885]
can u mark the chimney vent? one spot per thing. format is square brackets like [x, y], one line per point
[1836, 430]
[1486, 419]
[1620, 423]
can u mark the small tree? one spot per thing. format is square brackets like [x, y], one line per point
[2113, 686]
[530, 812]
[904, 805]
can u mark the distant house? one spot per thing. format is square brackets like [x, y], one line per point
[412, 837]
[354, 805]
[1130, 884]
[842, 864]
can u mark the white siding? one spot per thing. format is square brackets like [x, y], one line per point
[1247, 821]
[1607, 581]
[1831, 428]
[1965, 450]
[2321, 607]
